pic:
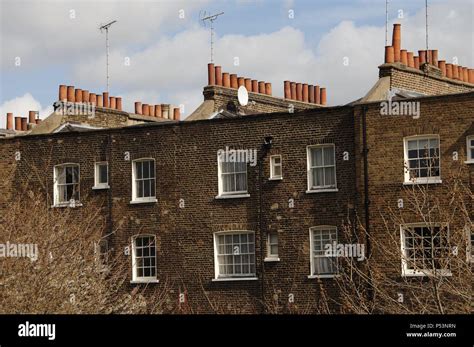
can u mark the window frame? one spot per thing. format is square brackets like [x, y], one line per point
[230, 195]
[97, 184]
[274, 177]
[311, 251]
[469, 149]
[56, 202]
[247, 277]
[135, 278]
[406, 272]
[135, 198]
[269, 256]
[406, 172]
[320, 189]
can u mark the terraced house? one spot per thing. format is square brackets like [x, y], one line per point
[250, 235]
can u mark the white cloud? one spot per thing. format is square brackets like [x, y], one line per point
[20, 106]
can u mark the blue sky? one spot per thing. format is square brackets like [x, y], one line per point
[168, 54]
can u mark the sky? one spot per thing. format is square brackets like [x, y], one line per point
[159, 49]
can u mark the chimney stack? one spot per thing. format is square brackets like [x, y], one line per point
[92, 98]
[211, 74]
[261, 87]
[105, 101]
[119, 103]
[397, 41]
[466, 74]
[455, 72]
[422, 57]
[293, 90]
[449, 70]
[78, 95]
[317, 95]
[176, 113]
[24, 124]
[323, 96]
[165, 111]
[145, 110]
[287, 89]
[233, 81]
[411, 61]
[113, 103]
[18, 123]
[9, 121]
[158, 111]
[240, 82]
[471, 76]
[218, 73]
[226, 79]
[62, 93]
[85, 96]
[99, 100]
[268, 88]
[389, 55]
[299, 92]
[248, 84]
[416, 62]
[404, 57]
[254, 86]
[442, 67]
[138, 107]
[70, 94]
[305, 93]
[32, 117]
[434, 57]
[311, 93]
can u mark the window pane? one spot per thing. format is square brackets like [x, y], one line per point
[329, 176]
[328, 156]
[277, 171]
[146, 188]
[139, 169]
[276, 160]
[228, 183]
[316, 157]
[140, 189]
[241, 182]
[103, 173]
[146, 169]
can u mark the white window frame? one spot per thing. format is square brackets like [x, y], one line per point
[135, 278]
[470, 243]
[97, 184]
[229, 195]
[245, 277]
[311, 251]
[272, 257]
[56, 202]
[274, 177]
[420, 180]
[139, 200]
[320, 189]
[406, 272]
[469, 149]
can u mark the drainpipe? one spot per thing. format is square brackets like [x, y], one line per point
[366, 194]
[267, 145]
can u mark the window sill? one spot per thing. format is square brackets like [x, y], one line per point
[100, 187]
[144, 281]
[232, 279]
[314, 191]
[275, 179]
[433, 181]
[469, 161]
[427, 273]
[236, 196]
[323, 276]
[271, 259]
[68, 204]
[147, 201]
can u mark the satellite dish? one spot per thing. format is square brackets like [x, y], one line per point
[243, 96]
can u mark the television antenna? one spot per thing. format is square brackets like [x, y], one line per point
[106, 28]
[426, 14]
[211, 18]
[386, 22]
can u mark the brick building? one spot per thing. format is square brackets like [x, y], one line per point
[246, 236]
